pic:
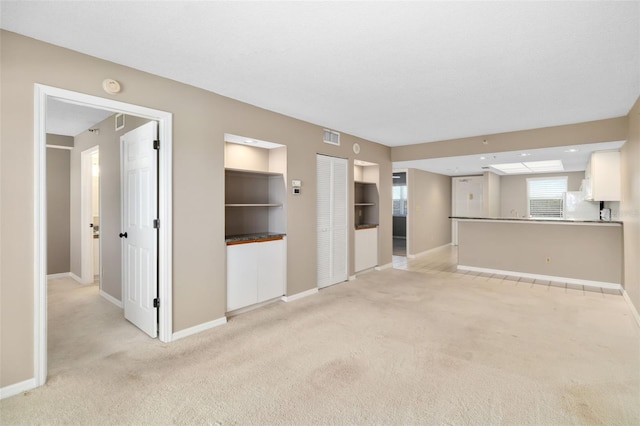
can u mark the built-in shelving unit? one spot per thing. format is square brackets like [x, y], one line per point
[366, 203]
[254, 201]
[366, 214]
[255, 221]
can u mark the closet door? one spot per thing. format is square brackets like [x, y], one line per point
[332, 220]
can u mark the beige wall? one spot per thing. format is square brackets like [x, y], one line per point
[586, 252]
[58, 205]
[200, 120]
[59, 140]
[491, 194]
[108, 141]
[614, 129]
[514, 191]
[630, 206]
[429, 208]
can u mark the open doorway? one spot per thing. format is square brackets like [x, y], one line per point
[400, 213]
[44, 94]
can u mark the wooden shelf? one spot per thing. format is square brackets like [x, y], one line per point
[250, 172]
[365, 204]
[254, 205]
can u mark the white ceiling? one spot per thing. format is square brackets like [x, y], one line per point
[393, 72]
[64, 118]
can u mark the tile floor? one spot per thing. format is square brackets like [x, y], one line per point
[444, 261]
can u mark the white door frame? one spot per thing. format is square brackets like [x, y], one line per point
[86, 212]
[165, 121]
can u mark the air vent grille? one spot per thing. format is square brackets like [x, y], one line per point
[331, 137]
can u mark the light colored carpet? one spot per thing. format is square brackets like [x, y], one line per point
[392, 347]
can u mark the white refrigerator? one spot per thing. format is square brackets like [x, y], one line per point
[577, 208]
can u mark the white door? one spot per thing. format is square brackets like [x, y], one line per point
[139, 236]
[466, 201]
[332, 220]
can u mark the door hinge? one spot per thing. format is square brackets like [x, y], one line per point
[156, 223]
[156, 303]
[156, 144]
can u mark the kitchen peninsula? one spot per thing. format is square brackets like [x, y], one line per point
[579, 252]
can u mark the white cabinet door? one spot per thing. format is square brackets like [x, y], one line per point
[242, 276]
[271, 269]
[366, 248]
[605, 176]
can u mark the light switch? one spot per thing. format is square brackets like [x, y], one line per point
[296, 183]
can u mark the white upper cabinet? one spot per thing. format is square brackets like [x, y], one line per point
[602, 176]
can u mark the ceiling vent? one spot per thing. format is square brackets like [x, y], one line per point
[331, 137]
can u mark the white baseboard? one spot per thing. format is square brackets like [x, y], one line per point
[578, 281]
[300, 295]
[634, 311]
[75, 277]
[198, 328]
[111, 299]
[383, 267]
[59, 275]
[17, 388]
[426, 252]
[352, 277]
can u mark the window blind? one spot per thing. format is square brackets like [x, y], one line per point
[546, 196]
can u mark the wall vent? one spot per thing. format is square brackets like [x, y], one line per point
[331, 137]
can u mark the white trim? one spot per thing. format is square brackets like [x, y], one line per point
[198, 328]
[300, 295]
[383, 267]
[76, 278]
[40, 237]
[111, 299]
[17, 388]
[86, 214]
[59, 275]
[426, 252]
[69, 148]
[588, 283]
[164, 119]
[632, 307]
[352, 277]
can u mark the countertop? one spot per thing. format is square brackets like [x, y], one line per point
[252, 238]
[549, 220]
[366, 226]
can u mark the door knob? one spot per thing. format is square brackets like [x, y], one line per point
[123, 235]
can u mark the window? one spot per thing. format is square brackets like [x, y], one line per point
[545, 197]
[400, 200]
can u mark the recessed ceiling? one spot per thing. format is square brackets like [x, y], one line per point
[392, 72]
[574, 159]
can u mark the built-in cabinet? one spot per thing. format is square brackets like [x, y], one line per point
[366, 215]
[366, 248]
[255, 222]
[602, 176]
[255, 272]
[254, 202]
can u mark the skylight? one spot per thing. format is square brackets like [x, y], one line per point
[530, 167]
